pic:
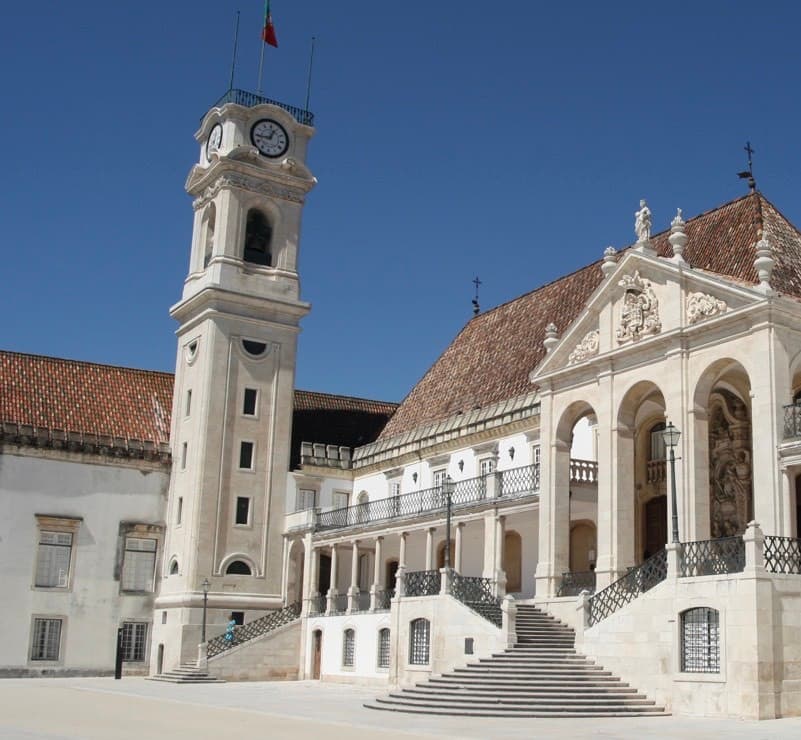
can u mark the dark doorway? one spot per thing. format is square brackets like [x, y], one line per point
[655, 526]
[392, 570]
[317, 652]
[160, 659]
[324, 577]
[798, 506]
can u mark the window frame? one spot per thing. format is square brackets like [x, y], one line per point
[349, 648]
[55, 524]
[711, 660]
[383, 649]
[150, 588]
[249, 514]
[252, 467]
[419, 653]
[142, 644]
[59, 659]
[244, 407]
[302, 496]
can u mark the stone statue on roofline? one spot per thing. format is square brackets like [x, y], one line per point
[642, 223]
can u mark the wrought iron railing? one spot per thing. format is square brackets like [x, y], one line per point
[782, 554]
[339, 603]
[318, 605]
[250, 100]
[383, 599]
[583, 471]
[476, 594]
[361, 603]
[520, 481]
[624, 590]
[423, 583]
[251, 630]
[792, 420]
[574, 583]
[712, 557]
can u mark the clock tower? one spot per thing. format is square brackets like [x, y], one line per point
[238, 323]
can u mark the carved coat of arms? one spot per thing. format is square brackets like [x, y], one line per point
[640, 314]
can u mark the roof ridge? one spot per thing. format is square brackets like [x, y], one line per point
[347, 397]
[51, 358]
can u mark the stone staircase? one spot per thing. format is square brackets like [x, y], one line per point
[541, 676]
[187, 673]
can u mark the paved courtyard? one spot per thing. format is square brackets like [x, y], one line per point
[101, 708]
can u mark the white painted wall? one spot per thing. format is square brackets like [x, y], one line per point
[66, 484]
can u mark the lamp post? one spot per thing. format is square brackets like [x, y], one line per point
[447, 488]
[671, 435]
[205, 586]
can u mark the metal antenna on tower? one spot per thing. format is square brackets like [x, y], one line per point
[749, 173]
[476, 307]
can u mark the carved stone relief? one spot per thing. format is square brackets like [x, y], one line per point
[640, 314]
[702, 306]
[587, 347]
[730, 473]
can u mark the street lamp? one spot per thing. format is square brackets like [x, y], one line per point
[447, 488]
[671, 435]
[205, 586]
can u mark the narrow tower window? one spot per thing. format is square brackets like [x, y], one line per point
[208, 245]
[242, 510]
[249, 405]
[246, 456]
[258, 236]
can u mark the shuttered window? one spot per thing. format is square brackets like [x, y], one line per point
[53, 560]
[139, 564]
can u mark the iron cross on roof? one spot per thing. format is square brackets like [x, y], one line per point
[476, 307]
[749, 173]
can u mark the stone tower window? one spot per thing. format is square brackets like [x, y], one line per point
[210, 218]
[258, 239]
[238, 568]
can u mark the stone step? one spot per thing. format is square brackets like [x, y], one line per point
[494, 710]
[516, 701]
[524, 693]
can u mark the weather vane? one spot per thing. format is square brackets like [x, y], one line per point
[749, 173]
[476, 307]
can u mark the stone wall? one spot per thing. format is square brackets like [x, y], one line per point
[274, 656]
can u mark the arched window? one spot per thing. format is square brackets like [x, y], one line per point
[700, 640]
[238, 568]
[348, 648]
[174, 567]
[383, 648]
[657, 450]
[258, 238]
[419, 641]
[208, 236]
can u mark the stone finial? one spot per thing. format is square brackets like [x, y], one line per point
[551, 337]
[610, 261]
[678, 237]
[763, 264]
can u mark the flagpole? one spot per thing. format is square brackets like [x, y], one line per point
[262, 44]
[233, 60]
[308, 84]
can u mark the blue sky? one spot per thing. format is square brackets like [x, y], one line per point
[510, 140]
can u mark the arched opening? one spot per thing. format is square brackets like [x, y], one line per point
[391, 573]
[382, 659]
[294, 580]
[238, 568]
[583, 547]
[348, 648]
[642, 475]
[209, 224]
[513, 561]
[174, 567]
[324, 575]
[258, 239]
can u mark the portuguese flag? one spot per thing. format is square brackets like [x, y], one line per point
[268, 32]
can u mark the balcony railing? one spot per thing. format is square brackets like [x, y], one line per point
[383, 599]
[656, 471]
[317, 605]
[250, 100]
[782, 554]
[583, 471]
[514, 482]
[574, 583]
[423, 583]
[792, 420]
[712, 557]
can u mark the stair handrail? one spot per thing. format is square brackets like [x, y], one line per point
[476, 594]
[258, 627]
[624, 590]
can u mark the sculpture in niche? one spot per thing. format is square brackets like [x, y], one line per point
[587, 347]
[730, 469]
[640, 314]
[702, 306]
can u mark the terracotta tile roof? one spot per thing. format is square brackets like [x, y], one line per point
[48, 393]
[83, 397]
[490, 359]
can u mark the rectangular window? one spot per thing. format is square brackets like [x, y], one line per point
[238, 618]
[535, 454]
[307, 499]
[340, 500]
[246, 456]
[383, 648]
[134, 636]
[249, 405]
[184, 450]
[53, 562]
[46, 641]
[487, 466]
[395, 492]
[242, 510]
[179, 510]
[188, 405]
[348, 648]
[138, 564]
[438, 478]
[419, 642]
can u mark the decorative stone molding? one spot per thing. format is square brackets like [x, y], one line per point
[251, 184]
[678, 238]
[702, 306]
[640, 313]
[609, 265]
[551, 337]
[763, 264]
[587, 347]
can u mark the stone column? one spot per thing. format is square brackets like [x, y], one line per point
[457, 555]
[402, 550]
[500, 573]
[377, 572]
[308, 580]
[353, 591]
[332, 591]
[430, 548]
[490, 532]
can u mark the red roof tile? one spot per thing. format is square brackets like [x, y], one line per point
[491, 358]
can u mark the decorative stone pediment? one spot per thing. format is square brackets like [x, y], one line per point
[640, 311]
[702, 306]
[587, 347]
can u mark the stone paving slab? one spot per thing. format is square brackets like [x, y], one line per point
[104, 709]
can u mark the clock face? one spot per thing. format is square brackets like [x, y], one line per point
[214, 140]
[269, 137]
